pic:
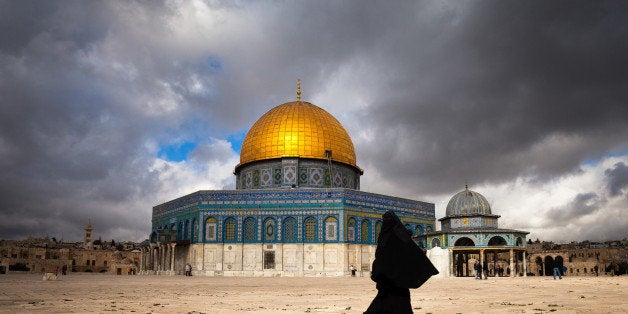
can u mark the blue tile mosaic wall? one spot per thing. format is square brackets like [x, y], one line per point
[328, 209]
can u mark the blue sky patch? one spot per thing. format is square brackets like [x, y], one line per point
[236, 140]
[214, 64]
[176, 152]
[622, 151]
[590, 162]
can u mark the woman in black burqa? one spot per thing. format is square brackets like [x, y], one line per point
[398, 266]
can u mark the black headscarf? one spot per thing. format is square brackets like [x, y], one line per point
[398, 259]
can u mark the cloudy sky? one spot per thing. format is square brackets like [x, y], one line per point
[108, 108]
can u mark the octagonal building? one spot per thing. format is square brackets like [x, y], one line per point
[297, 209]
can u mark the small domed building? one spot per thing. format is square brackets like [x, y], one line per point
[469, 233]
[297, 209]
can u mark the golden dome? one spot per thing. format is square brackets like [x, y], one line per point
[297, 129]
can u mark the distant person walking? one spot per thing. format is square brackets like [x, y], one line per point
[188, 270]
[352, 269]
[64, 269]
[478, 270]
[595, 269]
[556, 270]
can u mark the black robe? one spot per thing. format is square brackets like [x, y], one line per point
[399, 265]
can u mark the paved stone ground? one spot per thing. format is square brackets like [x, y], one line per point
[80, 293]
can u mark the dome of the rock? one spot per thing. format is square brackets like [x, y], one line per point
[297, 129]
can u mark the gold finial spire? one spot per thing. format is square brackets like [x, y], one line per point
[298, 90]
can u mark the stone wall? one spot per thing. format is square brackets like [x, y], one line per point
[310, 259]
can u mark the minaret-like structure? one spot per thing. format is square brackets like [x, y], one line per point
[87, 238]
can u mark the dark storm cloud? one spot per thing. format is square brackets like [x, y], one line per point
[483, 92]
[581, 205]
[295, 40]
[617, 178]
[503, 89]
[70, 151]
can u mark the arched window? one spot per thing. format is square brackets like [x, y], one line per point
[519, 242]
[351, 230]
[249, 232]
[289, 230]
[497, 241]
[186, 230]
[418, 230]
[331, 229]
[310, 230]
[180, 234]
[210, 229]
[464, 241]
[435, 242]
[269, 230]
[365, 231]
[378, 229]
[230, 230]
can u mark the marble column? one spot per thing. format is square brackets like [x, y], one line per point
[166, 256]
[451, 263]
[465, 262]
[525, 265]
[157, 266]
[141, 260]
[157, 258]
[512, 263]
[482, 258]
[172, 257]
[162, 257]
[151, 257]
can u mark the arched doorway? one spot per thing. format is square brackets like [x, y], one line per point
[462, 257]
[539, 266]
[435, 242]
[559, 262]
[549, 265]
